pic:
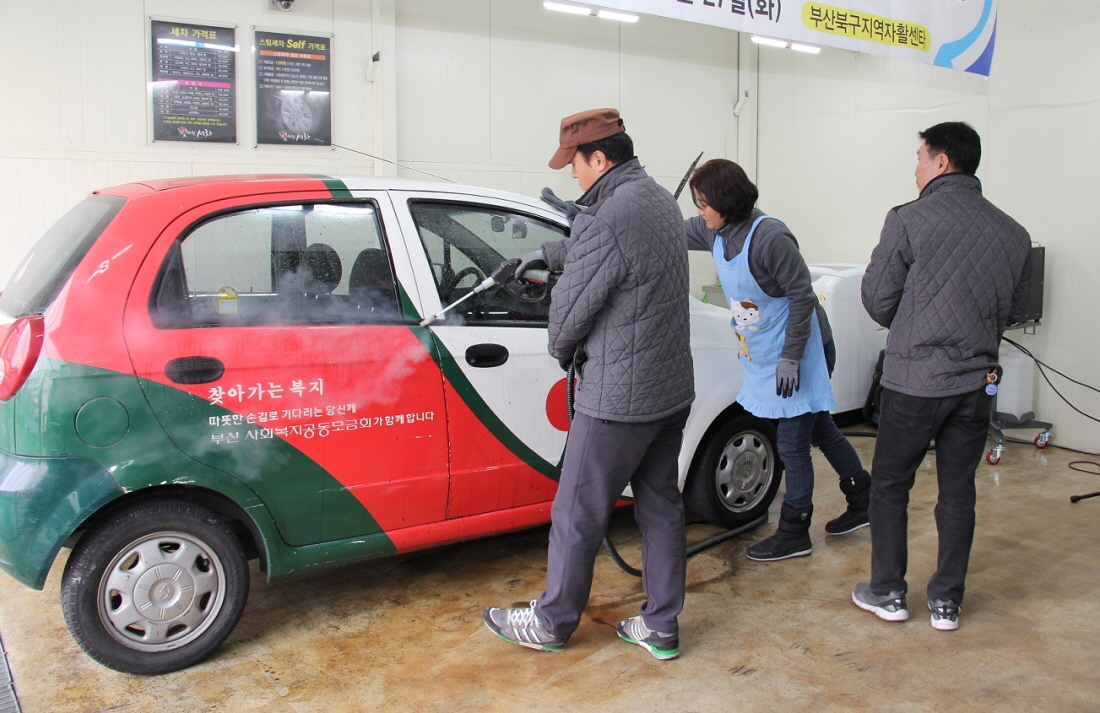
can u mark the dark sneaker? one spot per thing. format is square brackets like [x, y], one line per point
[659, 645]
[521, 626]
[890, 607]
[850, 521]
[945, 615]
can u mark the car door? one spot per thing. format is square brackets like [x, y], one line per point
[505, 394]
[274, 347]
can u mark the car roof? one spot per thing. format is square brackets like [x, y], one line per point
[247, 184]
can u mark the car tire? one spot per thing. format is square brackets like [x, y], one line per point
[155, 588]
[736, 472]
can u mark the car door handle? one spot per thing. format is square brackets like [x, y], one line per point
[194, 370]
[484, 356]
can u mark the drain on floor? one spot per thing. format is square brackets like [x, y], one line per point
[8, 702]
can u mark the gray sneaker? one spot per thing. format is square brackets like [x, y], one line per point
[521, 625]
[658, 644]
[890, 607]
[945, 614]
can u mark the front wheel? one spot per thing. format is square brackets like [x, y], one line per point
[156, 588]
[736, 472]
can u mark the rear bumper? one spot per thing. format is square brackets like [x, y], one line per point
[42, 502]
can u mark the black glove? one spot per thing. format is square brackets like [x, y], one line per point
[565, 363]
[786, 378]
[568, 208]
[506, 271]
[534, 260]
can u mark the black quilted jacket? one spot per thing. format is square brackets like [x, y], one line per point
[622, 300]
[949, 274]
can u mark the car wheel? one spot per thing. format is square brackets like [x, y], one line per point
[156, 588]
[736, 472]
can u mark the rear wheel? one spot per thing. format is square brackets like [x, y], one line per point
[736, 472]
[156, 588]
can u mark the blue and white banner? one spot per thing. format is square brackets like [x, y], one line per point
[958, 34]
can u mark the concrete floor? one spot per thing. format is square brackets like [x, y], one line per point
[406, 634]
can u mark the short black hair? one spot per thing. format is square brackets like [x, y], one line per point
[726, 188]
[959, 141]
[617, 147]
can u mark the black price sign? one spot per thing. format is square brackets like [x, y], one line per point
[194, 68]
[293, 89]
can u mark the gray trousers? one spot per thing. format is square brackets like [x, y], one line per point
[601, 457]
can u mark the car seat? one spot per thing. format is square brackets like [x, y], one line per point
[370, 285]
[322, 270]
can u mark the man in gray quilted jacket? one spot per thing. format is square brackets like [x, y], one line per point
[949, 274]
[619, 313]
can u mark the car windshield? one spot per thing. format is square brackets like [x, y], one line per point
[48, 265]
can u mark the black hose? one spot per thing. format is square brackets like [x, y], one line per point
[570, 383]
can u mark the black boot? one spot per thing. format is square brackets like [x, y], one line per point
[791, 538]
[858, 491]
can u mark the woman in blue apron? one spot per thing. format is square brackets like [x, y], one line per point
[786, 350]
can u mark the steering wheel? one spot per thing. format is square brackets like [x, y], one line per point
[459, 276]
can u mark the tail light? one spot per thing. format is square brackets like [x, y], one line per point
[18, 353]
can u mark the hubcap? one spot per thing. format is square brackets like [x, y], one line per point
[744, 471]
[161, 591]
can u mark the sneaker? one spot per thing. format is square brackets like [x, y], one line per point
[521, 625]
[658, 644]
[776, 547]
[945, 615]
[890, 607]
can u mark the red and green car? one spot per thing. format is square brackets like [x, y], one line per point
[199, 372]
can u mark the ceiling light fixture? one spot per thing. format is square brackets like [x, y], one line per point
[562, 7]
[808, 49]
[769, 42]
[784, 44]
[620, 16]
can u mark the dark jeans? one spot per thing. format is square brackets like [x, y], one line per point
[601, 458]
[794, 436]
[907, 425]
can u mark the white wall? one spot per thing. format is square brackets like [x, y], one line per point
[75, 110]
[838, 145]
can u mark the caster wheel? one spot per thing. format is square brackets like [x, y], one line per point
[1042, 440]
[992, 458]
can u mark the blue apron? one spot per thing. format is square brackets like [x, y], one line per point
[760, 323]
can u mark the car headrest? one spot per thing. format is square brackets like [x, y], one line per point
[371, 271]
[324, 269]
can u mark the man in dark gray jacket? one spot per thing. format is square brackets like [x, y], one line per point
[619, 312]
[949, 274]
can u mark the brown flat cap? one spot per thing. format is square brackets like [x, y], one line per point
[584, 128]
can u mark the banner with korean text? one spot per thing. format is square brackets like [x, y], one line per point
[958, 34]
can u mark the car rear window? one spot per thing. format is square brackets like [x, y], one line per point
[53, 258]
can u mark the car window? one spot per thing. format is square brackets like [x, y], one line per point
[53, 258]
[290, 264]
[465, 242]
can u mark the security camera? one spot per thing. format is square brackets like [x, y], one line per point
[284, 5]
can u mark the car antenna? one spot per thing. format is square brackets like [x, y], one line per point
[395, 163]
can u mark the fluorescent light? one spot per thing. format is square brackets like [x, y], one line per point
[810, 49]
[770, 42]
[561, 7]
[620, 16]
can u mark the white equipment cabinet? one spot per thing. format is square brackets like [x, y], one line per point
[857, 338]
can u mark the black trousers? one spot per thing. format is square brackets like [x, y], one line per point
[907, 424]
